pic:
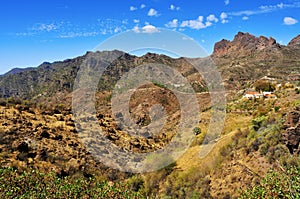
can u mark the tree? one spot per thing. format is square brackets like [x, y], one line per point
[262, 85]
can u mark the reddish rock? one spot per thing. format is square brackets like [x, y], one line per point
[291, 135]
[295, 41]
[243, 44]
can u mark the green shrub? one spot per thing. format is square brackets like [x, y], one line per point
[33, 184]
[197, 130]
[259, 122]
[284, 184]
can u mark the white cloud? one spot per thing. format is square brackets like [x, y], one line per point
[278, 6]
[172, 7]
[208, 23]
[223, 17]
[152, 12]
[136, 29]
[80, 34]
[245, 18]
[289, 21]
[149, 29]
[212, 18]
[132, 8]
[199, 23]
[281, 5]
[186, 38]
[172, 24]
[136, 21]
[265, 9]
[226, 2]
[117, 29]
[142, 6]
[194, 24]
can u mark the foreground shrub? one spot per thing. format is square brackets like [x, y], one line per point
[285, 184]
[33, 184]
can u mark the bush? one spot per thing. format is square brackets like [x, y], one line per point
[34, 184]
[197, 130]
[262, 85]
[259, 122]
[284, 184]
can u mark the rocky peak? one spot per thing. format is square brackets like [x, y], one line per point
[243, 44]
[295, 41]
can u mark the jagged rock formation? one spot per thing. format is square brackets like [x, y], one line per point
[243, 44]
[295, 41]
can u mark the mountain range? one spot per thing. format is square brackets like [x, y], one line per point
[241, 62]
[39, 130]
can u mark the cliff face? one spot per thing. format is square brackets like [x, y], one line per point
[295, 41]
[243, 44]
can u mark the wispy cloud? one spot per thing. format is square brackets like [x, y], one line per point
[199, 23]
[79, 34]
[265, 9]
[172, 7]
[132, 8]
[152, 12]
[172, 24]
[71, 30]
[142, 6]
[245, 18]
[46, 27]
[226, 2]
[289, 21]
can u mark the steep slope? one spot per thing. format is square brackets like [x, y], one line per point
[247, 58]
[52, 79]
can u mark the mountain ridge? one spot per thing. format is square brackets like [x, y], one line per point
[241, 61]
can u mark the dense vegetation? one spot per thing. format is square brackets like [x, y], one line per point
[33, 184]
[284, 184]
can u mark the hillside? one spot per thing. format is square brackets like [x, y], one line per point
[260, 136]
[241, 61]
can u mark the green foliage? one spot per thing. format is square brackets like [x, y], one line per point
[136, 183]
[160, 85]
[197, 130]
[14, 184]
[259, 122]
[262, 85]
[284, 184]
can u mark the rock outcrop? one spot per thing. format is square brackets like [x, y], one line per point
[291, 135]
[243, 44]
[295, 41]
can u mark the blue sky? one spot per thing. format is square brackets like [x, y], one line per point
[34, 31]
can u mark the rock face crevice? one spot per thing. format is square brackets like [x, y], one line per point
[291, 135]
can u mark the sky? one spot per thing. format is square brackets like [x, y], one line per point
[36, 31]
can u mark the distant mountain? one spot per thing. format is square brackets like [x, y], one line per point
[241, 61]
[244, 44]
[18, 70]
[248, 58]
